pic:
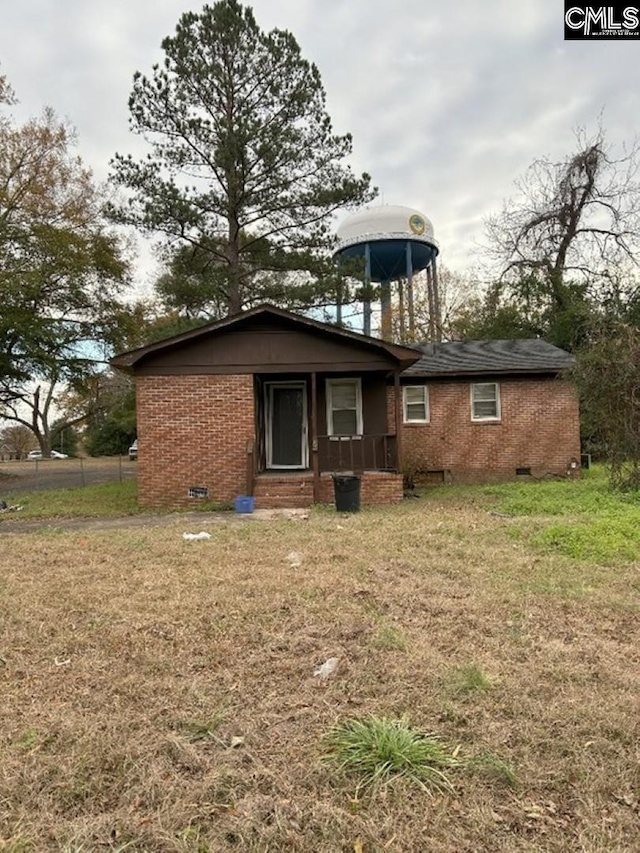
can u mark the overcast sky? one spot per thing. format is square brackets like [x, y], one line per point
[447, 102]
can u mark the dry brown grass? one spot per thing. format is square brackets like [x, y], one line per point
[158, 695]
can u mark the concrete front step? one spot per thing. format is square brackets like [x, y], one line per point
[274, 502]
[273, 492]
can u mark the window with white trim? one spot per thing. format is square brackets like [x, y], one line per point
[485, 401]
[416, 404]
[344, 407]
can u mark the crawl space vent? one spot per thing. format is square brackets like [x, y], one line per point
[198, 492]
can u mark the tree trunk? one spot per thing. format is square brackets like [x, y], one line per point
[436, 301]
[234, 296]
[431, 304]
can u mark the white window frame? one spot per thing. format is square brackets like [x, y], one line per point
[484, 419]
[405, 405]
[329, 388]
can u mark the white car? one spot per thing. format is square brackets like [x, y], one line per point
[37, 454]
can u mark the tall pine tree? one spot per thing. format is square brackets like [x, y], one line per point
[244, 166]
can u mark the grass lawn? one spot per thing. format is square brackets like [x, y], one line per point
[106, 500]
[159, 695]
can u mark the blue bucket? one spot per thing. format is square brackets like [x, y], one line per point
[244, 503]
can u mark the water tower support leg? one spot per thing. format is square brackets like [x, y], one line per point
[385, 311]
[366, 305]
[410, 309]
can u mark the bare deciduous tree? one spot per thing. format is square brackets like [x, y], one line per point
[573, 227]
[18, 438]
[455, 291]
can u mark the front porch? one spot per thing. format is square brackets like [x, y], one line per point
[312, 425]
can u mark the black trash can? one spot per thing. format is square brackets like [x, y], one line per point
[346, 488]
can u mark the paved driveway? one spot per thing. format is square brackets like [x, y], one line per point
[185, 522]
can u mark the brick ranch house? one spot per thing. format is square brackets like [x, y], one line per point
[270, 404]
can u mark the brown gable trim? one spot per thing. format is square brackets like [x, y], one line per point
[345, 368]
[128, 361]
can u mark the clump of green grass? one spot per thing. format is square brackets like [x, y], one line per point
[199, 730]
[30, 740]
[469, 678]
[518, 627]
[490, 765]
[212, 506]
[17, 845]
[378, 750]
[389, 638]
[105, 500]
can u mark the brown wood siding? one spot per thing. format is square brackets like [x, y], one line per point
[374, 402]
[370, 454]
[265, 349]
[363, 453]
[374, 405]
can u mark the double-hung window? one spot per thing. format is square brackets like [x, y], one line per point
[416, 404]
[485, 401]
[344, 407]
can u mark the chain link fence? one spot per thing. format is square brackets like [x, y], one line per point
[19, 477]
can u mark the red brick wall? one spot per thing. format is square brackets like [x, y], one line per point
[376, 487]
[539, 428]
[193, 431]
[296, 490]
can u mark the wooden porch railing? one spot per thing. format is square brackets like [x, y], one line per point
[358, 453]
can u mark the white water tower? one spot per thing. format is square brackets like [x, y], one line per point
[396, 242]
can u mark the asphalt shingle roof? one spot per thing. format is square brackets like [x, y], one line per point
[455, 358]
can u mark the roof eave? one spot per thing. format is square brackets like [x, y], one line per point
[459, 374]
